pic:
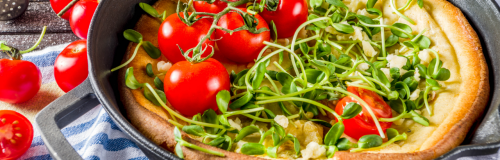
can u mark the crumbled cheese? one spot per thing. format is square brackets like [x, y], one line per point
[387, 73]
[417, 74]
[309, 115]
[281, 120]
[238, 146]
[306, 131]
[363, 66]
[433, 95]
[163, 66]
[355, 5]
[357, 34]
[415, 94]
[284, 41]
[313, 150]
[396, 61]
[399, 121]
[368, 49]
[425, 56]
[418, 111]
[236, 123]
[365, 13]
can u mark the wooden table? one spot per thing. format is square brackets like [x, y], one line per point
[23, 32]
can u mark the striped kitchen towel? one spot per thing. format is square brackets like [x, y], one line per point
[94, 135]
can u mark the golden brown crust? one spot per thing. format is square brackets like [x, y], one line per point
[151, 120]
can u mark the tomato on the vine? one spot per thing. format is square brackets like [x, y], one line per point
[16, 134]
[81, 16]
[289, 15]
[71, 68]
[241, 46]
[192, 88]
[215, 7]
[363, 123]
[174, 33]
[20, 80]
[58, 5]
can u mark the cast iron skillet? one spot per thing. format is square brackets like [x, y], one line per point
[106, 47]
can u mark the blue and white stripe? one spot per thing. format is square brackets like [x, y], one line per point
[94, 135]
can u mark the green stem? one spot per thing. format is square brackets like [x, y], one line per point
[427, 89]
[37, 43]
[291, 94]
[130, 60]
[192, 146]
[393, 6]
[301, 100]
[65, 9]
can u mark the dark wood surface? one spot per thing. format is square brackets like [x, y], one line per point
[24, 31]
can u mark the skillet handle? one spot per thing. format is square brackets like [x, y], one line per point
[59, 114]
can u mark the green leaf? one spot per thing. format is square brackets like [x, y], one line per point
[379, 75]
[158, 83]
[260, 72]
[296, 146]
[320, 24]
[422, 70]
[331, 151]
[272, 74]
[370, 3]
[178, 150]
[365, 19]
[443, 74]
[149, 70]
[420, 3]
[217, 141]
[391, 40]
[177, 134]
[223, 98]
[253, 149]
[397, 105]
[286, 81]
[395, 74]
[132, 35]
[374, 11]
[419, 118]
[130, 80]
[224, 122]
[334, 134]
[411, 82]
[194, 130]
[313, 75]
[276, 139]
[315, 3]
[271, 151]
[269, 113]
[338, 3]
[343, 28]
[322, 122]
[351, 110]
[402, 26]
[151, 50]
[275, 31]
[432, 83]
[434, 64]
[149, 95]
[4, 47]
[423, 42]
[209, 116]
[241, 101]
[248, 130]
[280, 130]
[344, 144]
[370, 141]
[336, 17]
[304, 48]
[391, 133]
[240, 75]
[149, 9]
[410, 73]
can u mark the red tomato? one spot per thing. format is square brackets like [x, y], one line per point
[20, 80]
[16, 134]
[58, 5]
[363, 123]
[173, 33]
[71, 68]
[288, 17]
[215, 7]
[242, 46]
[191, 88]
[81, 16]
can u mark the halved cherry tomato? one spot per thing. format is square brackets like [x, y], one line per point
[71, 68]
[58, 5]
[241, 46]
[288, 17]
[81, 16]
[215, 7]
[192, 88]
[19, 80]
[363, 123]
[16, 134]
[174, 33]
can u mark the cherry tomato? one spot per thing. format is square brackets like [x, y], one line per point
[20, 80]
[16, 134]
[241, 46]
[191, 88]
[215, 7]
[71, 68]
[288, 17]
[58, 5]
[81, 16]
[174, 33]
[363, 123]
